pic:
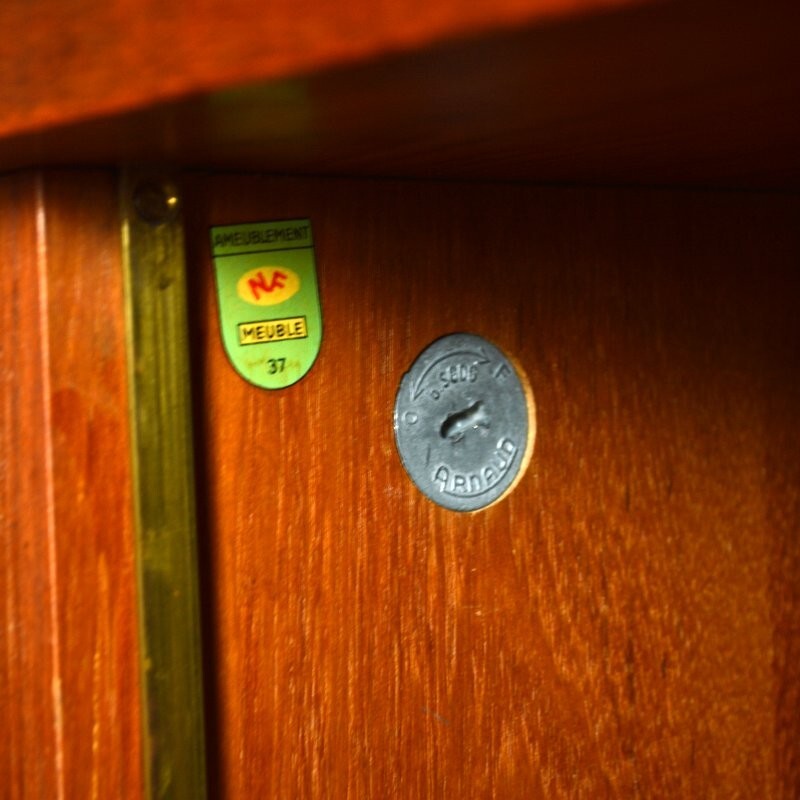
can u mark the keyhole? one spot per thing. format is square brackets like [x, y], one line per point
[457, 424]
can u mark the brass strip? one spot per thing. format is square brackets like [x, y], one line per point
[166, 539]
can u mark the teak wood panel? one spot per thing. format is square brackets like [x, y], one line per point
[684, 92]
[64, 63]
[69, 691]
[626, 622]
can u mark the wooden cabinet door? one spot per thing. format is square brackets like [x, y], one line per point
[626, 622]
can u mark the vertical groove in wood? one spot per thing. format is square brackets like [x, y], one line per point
[43, 290]
[66, 482]
[28, 666]
[625, 623]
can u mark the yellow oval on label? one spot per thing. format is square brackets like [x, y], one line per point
[268, 286]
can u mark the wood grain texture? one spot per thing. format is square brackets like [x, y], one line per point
[69, 681]
[626, 623]
[685, 92]
[29, 665]
[78, 59]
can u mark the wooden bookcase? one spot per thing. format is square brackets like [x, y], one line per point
[626, 172]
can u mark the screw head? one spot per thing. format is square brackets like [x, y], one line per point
[156, 202]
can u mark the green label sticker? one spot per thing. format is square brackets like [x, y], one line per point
[269, 310]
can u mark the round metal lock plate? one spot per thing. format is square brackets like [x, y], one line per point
[464, 422]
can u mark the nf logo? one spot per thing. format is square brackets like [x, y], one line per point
[268, 286]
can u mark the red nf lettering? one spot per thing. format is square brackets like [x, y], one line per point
[260, 284]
